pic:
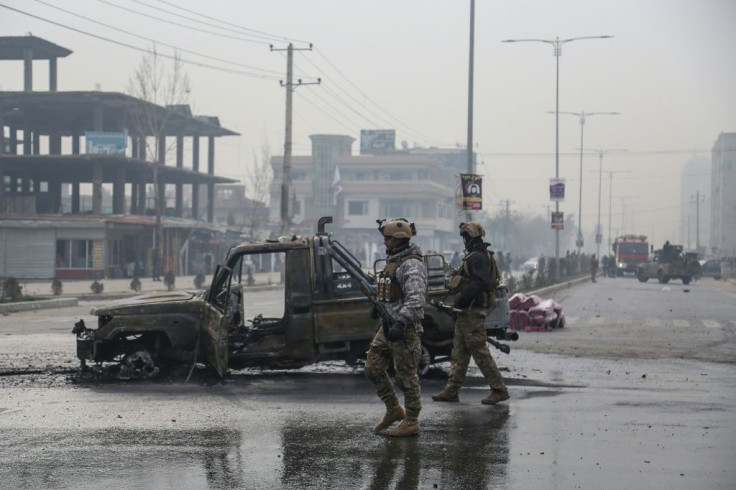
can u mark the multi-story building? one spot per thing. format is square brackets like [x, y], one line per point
[723, 192]
[695, 205]
[417, 184]
[53, 141]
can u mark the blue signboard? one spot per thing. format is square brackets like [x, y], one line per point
[106, 143]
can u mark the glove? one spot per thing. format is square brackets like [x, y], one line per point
[396, 332]
[374, 312]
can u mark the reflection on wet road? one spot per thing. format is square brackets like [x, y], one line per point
[571, 422]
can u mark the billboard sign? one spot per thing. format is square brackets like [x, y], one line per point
[377, 141]
[556, 189]
[472, 188]
[558, 220]
[106, 143]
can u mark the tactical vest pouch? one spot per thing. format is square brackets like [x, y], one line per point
[455, 282]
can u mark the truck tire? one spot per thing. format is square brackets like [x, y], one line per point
[662, 278]
[686, 280]
[137, 363]
[641, 276]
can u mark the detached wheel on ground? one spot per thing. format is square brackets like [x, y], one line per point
[137, 363]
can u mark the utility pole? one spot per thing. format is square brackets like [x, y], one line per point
[286, 185]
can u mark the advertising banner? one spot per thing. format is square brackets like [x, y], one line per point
[106, 143]
[558, 221]
[556, 189]
[377, 141]
[472, 187]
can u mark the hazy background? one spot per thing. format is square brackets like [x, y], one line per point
[670, 72]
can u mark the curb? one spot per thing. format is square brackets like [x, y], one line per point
[6, 308]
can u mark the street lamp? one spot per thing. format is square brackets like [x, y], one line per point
[557, 52]
[598, 233]
[610, 199]
[582, 115]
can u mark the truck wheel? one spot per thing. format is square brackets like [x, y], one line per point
[641, 276]
[662, 278]
[137, 363]
[686, 280]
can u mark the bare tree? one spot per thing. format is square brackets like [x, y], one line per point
[259, 180]
[159, 85]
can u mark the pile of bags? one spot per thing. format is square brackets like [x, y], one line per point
[532, 314]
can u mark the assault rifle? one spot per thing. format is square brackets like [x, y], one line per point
[454, 312]
[386, 319]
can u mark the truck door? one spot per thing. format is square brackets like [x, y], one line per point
[214, 322]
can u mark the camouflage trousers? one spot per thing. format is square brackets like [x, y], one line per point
[470, 340]
[406, 354]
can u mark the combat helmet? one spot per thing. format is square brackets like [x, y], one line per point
[472, 229]
[400, 229]
[396, 228]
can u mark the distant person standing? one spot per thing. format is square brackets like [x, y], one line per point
[593, 267]
[156, 261]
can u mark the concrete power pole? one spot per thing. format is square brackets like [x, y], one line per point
[286, 184]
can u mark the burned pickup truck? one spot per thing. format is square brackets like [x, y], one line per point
[313, 311]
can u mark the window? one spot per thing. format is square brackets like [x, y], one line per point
[397, 209]
[357, 208]
[74, 254]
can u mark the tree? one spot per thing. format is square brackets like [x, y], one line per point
[160, 86]
[259, 180]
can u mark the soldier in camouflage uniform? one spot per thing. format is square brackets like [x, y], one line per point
[473, 282]
[402, 287]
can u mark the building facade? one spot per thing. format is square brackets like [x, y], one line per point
[55, 145]
[356, 190]
[695, 205]
[723, 192]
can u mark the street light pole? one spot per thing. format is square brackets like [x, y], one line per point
[557, 44]
[598, 231]
[610, 200]
[582, 115]
[469, 147]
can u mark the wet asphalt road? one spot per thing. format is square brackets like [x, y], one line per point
[653, 417]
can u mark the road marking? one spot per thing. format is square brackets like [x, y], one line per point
[711, 324]
[653, 322]
[681, 323]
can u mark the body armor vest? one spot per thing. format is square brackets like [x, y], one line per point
[388, 288]
[461, 279]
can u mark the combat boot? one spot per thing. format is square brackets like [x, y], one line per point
[394, 413]
[407, 427]
[446, 395]
[497, 395]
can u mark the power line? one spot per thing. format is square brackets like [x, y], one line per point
[148, 16]
[427, 138]
[137, 48]
[235, 63]
[258, 36]
[275, 37]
